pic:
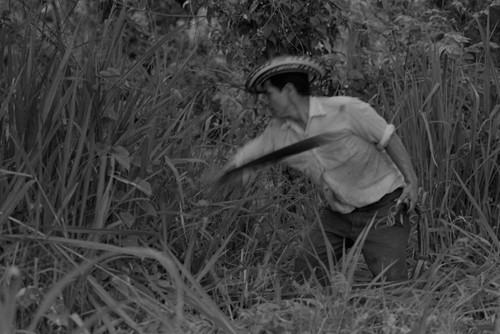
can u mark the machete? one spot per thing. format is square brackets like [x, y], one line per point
[277, 156]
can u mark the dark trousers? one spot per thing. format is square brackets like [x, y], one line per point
[384, 247]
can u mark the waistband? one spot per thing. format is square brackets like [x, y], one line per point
[385, 200]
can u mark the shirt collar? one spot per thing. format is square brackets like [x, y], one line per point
[315, 108]
[289, 124]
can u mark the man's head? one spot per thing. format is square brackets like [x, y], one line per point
[286, 82]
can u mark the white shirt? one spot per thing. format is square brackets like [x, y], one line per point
[354, 170]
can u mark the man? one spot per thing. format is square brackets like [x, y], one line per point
[364, 171]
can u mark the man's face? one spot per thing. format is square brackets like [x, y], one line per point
[279, 100]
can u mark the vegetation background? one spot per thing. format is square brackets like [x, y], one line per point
[113, 113]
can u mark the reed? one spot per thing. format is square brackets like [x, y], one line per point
[106, 220]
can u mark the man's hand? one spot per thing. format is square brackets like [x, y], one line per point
[220, 176]
[409, 197]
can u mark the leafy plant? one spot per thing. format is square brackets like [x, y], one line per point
[85, 136]
[103, 148]
[275, 27]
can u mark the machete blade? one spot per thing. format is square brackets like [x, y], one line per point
[277, 156]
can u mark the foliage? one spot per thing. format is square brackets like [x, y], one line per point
[254, 30]
[108, 128]
[86, 147]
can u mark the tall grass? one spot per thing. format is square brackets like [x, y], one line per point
[447, 111]
[448, 116]
[103, 212]
[89, 162]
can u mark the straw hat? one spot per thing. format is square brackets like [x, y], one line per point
[280, 65]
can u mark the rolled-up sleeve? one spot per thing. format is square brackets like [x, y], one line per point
[369, 125]
[389, 130]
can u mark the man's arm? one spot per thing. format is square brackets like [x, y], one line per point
[399, 155]
[255, 148]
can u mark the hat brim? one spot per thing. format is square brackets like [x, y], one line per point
[286, 64]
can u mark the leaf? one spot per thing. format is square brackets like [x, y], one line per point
[110, 114]
[121, 155]
[131, 241]
[328, 8]
[110, 72]
[127, 218]
[148, 208]
[268, 30]
[143, 186]
[252, 8]
[315, 22]
[138, 183]
[327, 45]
